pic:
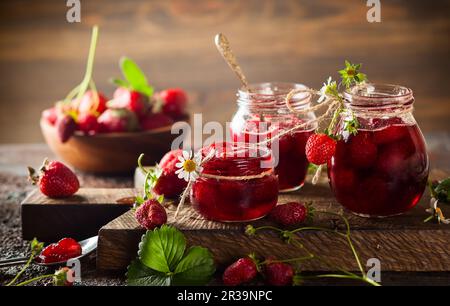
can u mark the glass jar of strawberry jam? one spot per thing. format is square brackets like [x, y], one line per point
[383, 169]
[263, 114]
[237, 184]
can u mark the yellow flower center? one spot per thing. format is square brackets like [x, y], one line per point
[189, 165]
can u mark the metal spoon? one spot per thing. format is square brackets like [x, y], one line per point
[224, 47]
[87, 246]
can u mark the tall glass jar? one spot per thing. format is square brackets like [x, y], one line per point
[383, 169]
[238, 183]
[262, 114]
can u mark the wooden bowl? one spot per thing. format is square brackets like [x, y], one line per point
[109, 153]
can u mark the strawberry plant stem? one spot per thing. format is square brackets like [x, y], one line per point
[90, 63]
[23, 270]
[34, 279]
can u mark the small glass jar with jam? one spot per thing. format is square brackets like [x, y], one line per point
[237, 183]
[262, 114]
[383, 169]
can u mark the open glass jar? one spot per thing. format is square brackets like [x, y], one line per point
[383, 169]
[237, 184]
[262, 114]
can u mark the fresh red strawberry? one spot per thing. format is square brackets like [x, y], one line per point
[174, 102]
[363, 152]
[278, 273]
[154, 121]
[132, 100]
[320, 148]
[168, 183]
[151, 214]
[242, 271]
[92, 103]
[66, 127]
[117, 120]
[55, 180]
[291, 213]
[63, 277]
[88, 123]
[50, 115]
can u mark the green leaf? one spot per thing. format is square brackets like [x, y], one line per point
[442, 191]
[162, 249]
[120, 82]
[135, 77]
[140, 275]
[196, 268]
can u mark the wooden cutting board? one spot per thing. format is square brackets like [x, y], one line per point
[78, 217]
[403, 243]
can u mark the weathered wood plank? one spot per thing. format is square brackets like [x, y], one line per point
[78, 217]
[402, 243]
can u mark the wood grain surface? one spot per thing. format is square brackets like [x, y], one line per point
[79, 216]
[42, 56]
[402, 243]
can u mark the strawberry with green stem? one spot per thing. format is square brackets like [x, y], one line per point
[291, 237]
[320, 147]
[134, 92]
[89, 104]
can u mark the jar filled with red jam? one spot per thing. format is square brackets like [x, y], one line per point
[383, 169]
[263, 114]
[237, 183]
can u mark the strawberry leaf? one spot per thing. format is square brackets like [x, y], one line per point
[162, 249]
[120, 82]
[196, 268]
[140, 275]
[442, 191]
[135, 77]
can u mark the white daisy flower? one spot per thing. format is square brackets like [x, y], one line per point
[189, 167]
[323, 90]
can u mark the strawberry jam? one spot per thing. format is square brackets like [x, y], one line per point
[237, 184]
[63, 250]
[383, 169]
[263, 115]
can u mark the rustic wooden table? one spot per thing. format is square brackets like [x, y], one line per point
[14, 187]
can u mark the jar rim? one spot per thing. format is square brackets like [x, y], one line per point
[378, 95]
[280, 88]
[233, 158]
[270, 96]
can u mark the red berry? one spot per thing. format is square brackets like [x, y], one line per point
[363, 152]
[174, 102]
[66, 127]
[50, 115]
[242, 271]
[132, 100]
[290, 214]
[92, 103]
[55, 180]
[63, 250]
[151, 214]
[320, 148]
[390, 134]
[88, 123]
[168, 182]
[154, 121]
[278, 273]
[117, 121]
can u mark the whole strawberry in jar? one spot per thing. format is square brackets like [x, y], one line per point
[382, 168]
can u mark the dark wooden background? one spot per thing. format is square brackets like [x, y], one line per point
[42, 56]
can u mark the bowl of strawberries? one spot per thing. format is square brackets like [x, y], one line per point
[100, 135]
